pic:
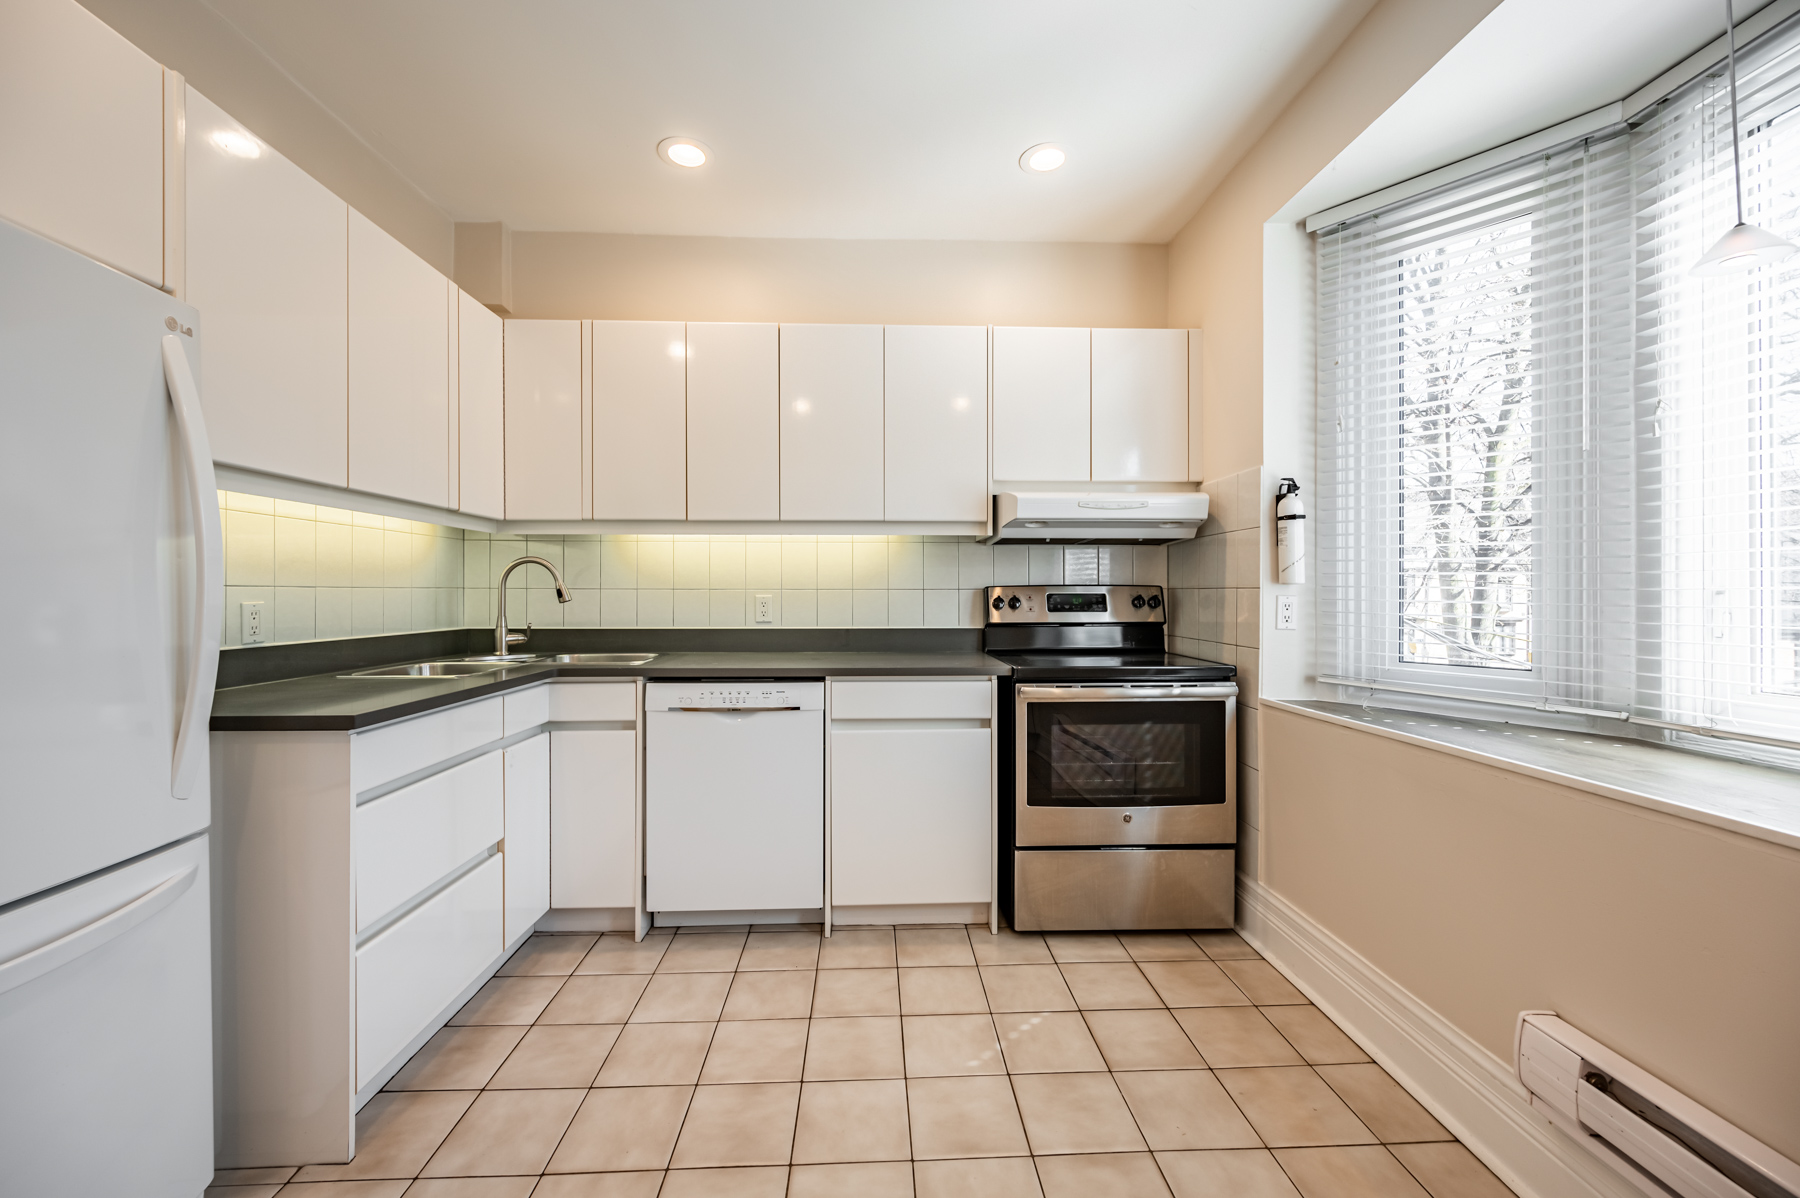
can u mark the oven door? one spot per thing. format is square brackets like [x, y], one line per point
[1126, 765]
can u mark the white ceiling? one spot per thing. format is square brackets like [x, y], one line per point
[1528, 65]
[826, 118]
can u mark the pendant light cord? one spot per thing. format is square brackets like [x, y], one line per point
[1737, 165]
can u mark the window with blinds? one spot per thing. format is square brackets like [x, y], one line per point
[1556, 469]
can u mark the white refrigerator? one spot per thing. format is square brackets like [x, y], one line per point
[110, 605]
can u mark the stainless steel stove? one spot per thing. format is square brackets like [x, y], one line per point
[1119, 798]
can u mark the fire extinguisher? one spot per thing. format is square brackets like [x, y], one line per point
[1290, 533]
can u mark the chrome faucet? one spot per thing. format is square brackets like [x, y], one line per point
[504, 640]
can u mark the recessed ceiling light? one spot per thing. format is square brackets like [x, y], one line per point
[1045, 156]
[238, 145]
[682, 151]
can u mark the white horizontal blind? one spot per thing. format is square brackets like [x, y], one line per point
[1718, 367]
[1556, 470]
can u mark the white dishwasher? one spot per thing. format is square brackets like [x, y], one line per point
[734, 796]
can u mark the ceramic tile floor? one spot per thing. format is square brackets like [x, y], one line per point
[936, 1062]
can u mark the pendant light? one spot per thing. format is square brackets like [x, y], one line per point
[1745, 247]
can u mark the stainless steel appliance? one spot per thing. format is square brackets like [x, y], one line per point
[1120, 793]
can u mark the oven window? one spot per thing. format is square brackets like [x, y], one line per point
[1125, 753]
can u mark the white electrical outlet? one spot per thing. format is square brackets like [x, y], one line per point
[251, 622]
[765, 609]
[1284, 612]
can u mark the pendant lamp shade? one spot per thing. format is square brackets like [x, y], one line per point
[1745, 247]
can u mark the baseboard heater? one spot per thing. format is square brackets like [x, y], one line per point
[1657, 1138]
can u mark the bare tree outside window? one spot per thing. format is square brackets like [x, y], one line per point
[1465, 454]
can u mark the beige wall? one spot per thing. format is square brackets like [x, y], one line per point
[1216, 261]
[226, 68]
[605, 276]
[1484, 893]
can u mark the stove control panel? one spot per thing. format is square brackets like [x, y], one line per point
[1076, 605]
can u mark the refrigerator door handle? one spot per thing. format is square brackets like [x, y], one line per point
[191, 736]
[29, 966]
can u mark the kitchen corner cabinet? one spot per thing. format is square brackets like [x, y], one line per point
[368, 883]
[400, 316]
[936, 422]
[266, 267]
[83, 131]
[480, 408]
[640, 419]
[1140, 402]
[1042, 410]
[733, 423]
[831, 454]
[543, 420]
[912, 798]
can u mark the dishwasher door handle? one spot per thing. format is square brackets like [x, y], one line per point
[735, 710]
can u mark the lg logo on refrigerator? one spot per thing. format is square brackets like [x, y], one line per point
[175, 326]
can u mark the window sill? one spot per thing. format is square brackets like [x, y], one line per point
[1755, 800]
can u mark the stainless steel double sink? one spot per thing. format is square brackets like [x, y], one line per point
[462, 667]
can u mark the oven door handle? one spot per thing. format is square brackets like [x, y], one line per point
[1083, 694]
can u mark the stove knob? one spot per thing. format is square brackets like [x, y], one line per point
[999, 603]
[1137, 601]
[1015, 602]
[1155, 602]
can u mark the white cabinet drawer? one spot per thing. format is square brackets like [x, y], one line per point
[526, 708]
[396, 750]
[409, 839]
[575, 701]
[406, 976]
[912, 700]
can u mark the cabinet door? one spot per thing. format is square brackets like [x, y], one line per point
[1041, 409]
[543, 420]
[911, 817]
[640, 420]
[593, 818]
[1140, 405]
[831, 422]
[527, 834]
[481, 409]
[266, 247]
[936, 417]
[81, 135]
[400, 320]
[733, 422]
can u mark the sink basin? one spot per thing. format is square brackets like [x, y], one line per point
[433, 669]
[603, 659]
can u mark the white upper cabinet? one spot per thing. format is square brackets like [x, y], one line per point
[733, 422]
[831, 422]
[1041, 408]
[266, 247]
[481, 409]
[543, 420]
[82, 135]
[936, 416]
[400, 363]
[640, 420]
[1140, 405]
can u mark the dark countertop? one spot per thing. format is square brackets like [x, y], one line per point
[330, 702]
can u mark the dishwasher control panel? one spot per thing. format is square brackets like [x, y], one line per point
[727, 695]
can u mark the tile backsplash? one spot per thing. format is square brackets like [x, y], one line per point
[324, 573]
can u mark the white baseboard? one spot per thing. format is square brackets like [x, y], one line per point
[842, 916]
[1468, 1089]
[587, 919]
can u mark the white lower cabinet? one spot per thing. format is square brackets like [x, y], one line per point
[912, 793]
[406, 841]
[407, 974]
[593, 818]
[527, 834]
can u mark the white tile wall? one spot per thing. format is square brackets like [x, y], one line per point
[813, 581]
[325, 572]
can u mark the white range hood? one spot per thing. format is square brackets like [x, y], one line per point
[1076, 518]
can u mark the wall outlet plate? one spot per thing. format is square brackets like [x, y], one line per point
[765, 609]
[251, 627]
[1285, 619]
